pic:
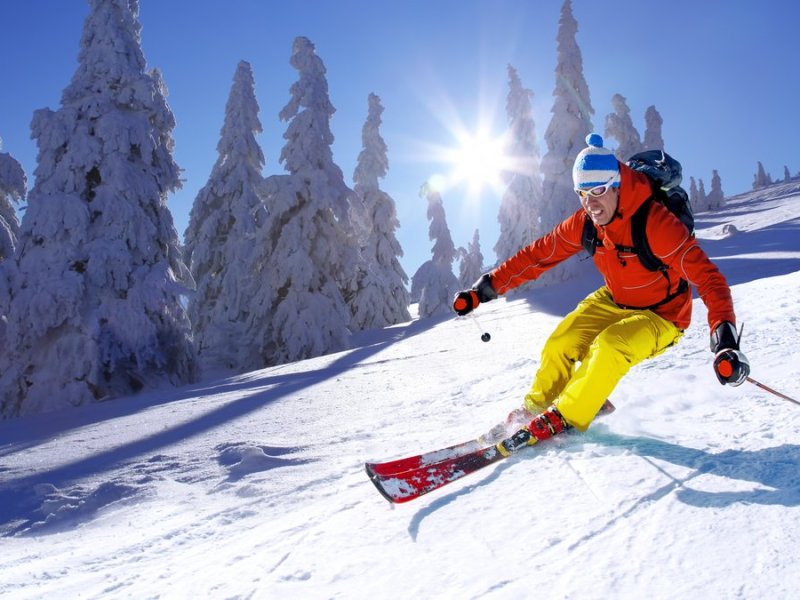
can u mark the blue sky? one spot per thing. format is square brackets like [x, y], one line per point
[719, 72]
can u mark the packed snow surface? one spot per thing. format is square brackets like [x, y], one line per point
[253, 486]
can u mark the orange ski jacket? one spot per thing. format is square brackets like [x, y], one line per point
[630, 283]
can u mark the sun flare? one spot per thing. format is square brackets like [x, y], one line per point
[478, 161]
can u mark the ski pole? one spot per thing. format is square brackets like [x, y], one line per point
[485, 336]
[770, 390]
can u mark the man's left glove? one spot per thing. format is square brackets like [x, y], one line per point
[481, 291]
[730, 365]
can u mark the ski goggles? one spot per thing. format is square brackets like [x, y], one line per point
[597, 190]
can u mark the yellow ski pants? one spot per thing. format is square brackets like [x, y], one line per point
[590, 351]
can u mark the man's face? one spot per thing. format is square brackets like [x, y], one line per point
[600, 203]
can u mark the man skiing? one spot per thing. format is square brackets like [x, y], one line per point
[636, 315]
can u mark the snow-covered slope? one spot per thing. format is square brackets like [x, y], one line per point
[253, 486]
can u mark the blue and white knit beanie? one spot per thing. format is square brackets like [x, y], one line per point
[595, 165]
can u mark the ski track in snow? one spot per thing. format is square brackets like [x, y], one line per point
[253, 486]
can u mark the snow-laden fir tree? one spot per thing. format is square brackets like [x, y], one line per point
[619, 125]
[697, 195]
[521, 205]
[95, 309]
[471, 266]
[761, 179]
[221, 236]
[702, 199]
[13, 185]
[652, 131]
[382, 297]
[565, 136]
[694, 199]
[716, 197]
[310, 250]
[434, 283]
[787, 177]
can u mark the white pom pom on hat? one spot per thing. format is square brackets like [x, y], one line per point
[595, 165]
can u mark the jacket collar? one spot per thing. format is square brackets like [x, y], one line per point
[634, 190]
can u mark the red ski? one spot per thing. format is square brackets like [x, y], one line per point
[401, 465]
[414, 482]
[408, 478]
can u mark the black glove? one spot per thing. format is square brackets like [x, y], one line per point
[724, 337]
[481, 291]
[730, 365]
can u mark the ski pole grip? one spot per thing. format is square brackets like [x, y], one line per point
[465, 302]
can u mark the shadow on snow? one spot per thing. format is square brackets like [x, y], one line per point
[25, 500]
[774, 469]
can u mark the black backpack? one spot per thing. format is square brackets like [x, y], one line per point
[665, 174]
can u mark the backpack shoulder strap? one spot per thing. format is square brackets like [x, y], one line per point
[649, 260]
[589, 239]
[640, 247]
[639, 234]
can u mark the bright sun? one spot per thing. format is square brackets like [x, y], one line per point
[478, 161]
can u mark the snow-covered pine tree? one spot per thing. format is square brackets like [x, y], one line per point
[565, 136]
[522, 201]
[702, 199]
[787, 177]
[471, 267]
[96, 288]
[619, 125]
[311, 254]
[652, 131]
[417, 279]
[762, 179]
[221, 236]
[434, 282]
[716, 197]
[694, 198]
[382, 298]
[13, 186]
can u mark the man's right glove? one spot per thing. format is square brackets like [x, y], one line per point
[730, 365]
[481, 291]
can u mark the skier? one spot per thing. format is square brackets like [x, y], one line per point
[636, 315]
